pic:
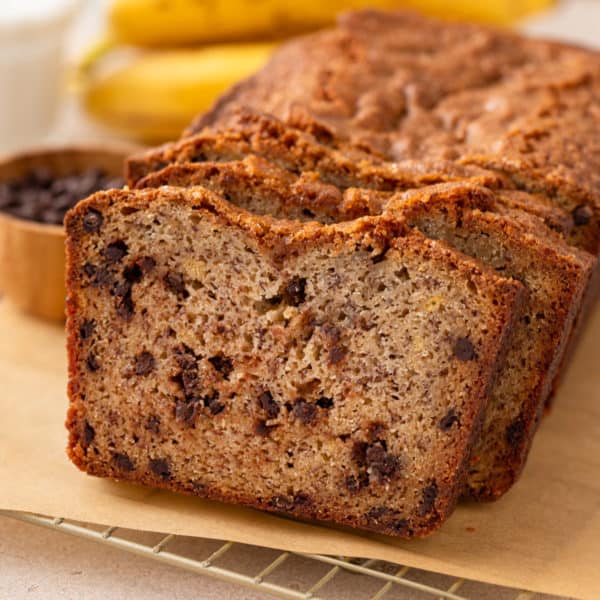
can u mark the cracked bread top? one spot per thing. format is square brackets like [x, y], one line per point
[407, 87]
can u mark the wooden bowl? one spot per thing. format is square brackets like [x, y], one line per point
[32, 254]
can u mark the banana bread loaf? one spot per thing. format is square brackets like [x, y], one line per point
[407, 87]
[402, 86]
[344, 164]
[469, 218]
[260, 362]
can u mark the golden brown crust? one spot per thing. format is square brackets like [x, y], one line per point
[335, 160]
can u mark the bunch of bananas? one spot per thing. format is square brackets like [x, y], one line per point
[189, 51]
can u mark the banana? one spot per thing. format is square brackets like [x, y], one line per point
[155, 23]
[157, 93]
[499, 12]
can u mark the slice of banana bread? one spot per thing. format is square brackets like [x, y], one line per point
[469, 218]
[343, 164]
[261, 362]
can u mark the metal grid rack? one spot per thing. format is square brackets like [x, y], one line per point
[378, 579]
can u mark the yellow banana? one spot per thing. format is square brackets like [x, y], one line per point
[157, 93]
[499, 12]
[179, 22]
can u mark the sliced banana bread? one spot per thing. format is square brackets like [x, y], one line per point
[408, 87]
[343, 164]
[262, 362]
[335, 162]
[468, 217]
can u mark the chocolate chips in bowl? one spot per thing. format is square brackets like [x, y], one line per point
[36, 190]
[45, 198]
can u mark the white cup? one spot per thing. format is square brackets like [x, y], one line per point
[32, 34]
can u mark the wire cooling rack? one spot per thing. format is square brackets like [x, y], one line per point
[280, 573]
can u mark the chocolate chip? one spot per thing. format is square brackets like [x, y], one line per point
[88, 434]
[144, 363]
[198, 487]
[212, 403]
[121, 289]
[160, 467]
[261, 428]
[377, 513]
[381, 463]
[102, 277]
[175, 284]
[190, 380]
[448, 420]
[352, 484]
[152, 424]
[337, 355]
[222, 364]
[132, 273]
[399, 527]
[515, 432]
[302, 499]
[295, 291]
[89, 269]
[147, 263]
[304, 411]
[464, 349]
[379, 257]
[582, 214]
[325, 403]
[273, 300]
[115, 251]
[186, 357]
[87, 329]
[92, 220]
[268, 404]
[186, 411]
[125, 307]
[92, 362]
[429, 496]
[359, 453]
[123, 462]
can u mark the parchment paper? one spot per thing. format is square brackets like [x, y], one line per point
[544, 535]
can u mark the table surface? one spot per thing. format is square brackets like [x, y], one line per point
[38, 563]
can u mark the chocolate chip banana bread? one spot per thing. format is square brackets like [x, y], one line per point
[400, 86]
[471, 219]
[407, 87]
[345, 164]
[261, 361]
[335, 162]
